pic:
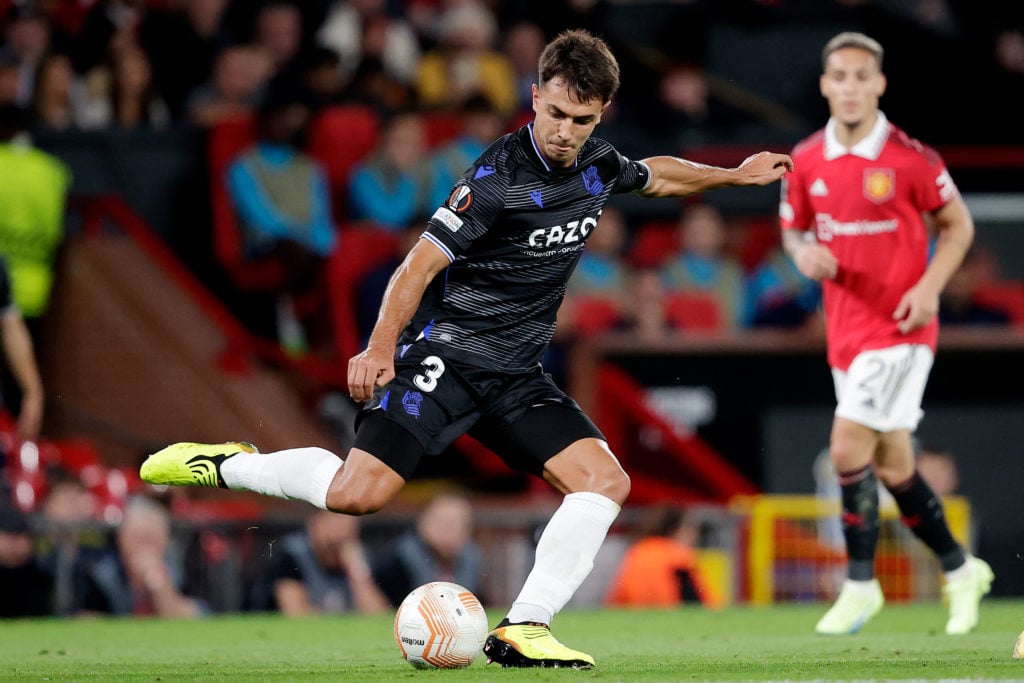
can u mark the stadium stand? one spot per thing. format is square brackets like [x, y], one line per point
[226, 141]
[1005, 295]
[592, 315]
[126, 309]
[129, 309]
[653, 243]
[691, 310]
[341, 136]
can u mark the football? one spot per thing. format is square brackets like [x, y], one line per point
[440, 625]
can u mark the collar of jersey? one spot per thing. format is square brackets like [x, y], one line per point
[544, 161]
[868, 148]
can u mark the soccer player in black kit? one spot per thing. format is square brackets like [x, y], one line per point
[459, 338]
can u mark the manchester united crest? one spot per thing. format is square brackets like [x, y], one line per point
[879, 184]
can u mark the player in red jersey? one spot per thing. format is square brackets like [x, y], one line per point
[852, 218]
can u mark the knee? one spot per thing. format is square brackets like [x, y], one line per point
[852, 445]
[363, 485]
[843, 460]
[847, 455]
[614, 485]
[365, 503]
[895, 474]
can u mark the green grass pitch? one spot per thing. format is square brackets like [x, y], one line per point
[688, 644]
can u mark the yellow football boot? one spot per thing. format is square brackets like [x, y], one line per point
[191, 464]
[531, 645]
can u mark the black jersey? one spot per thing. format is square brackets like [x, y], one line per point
[514, 229]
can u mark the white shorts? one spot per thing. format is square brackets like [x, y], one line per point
[883, 388]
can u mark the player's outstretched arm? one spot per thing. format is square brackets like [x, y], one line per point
[676, 177]
[375, 366]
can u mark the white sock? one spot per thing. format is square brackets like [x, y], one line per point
[297, 473]
[565, 556]
[863, 587]
[960, 572]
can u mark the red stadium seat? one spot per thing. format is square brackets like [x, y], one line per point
[262, 276]
[1005, 295]
[227, 140]
[694, 311]
[520, 119]
[363, 247]
[654, 242]
[760, 236]
[593, 314]
[72, 455]
[340, 137]
[441, 127]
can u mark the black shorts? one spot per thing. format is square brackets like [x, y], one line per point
[521, 416]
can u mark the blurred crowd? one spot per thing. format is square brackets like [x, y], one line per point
[72, 558]
[68, 560]
[82, 554]
[93, 64]
[324, 116]
[333, 129]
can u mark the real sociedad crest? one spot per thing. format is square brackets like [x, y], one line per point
[592, 181]
[411, 401]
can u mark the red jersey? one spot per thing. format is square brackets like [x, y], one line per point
[865, 203]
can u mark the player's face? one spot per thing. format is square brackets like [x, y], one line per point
[563, 123]
[852, 84]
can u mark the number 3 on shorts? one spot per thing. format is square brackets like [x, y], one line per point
[433, 369]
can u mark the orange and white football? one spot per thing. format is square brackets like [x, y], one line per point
[440, 625]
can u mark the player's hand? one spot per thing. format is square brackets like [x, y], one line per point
[917, 308]
[372, 368]
[765, 168]
[816, 262]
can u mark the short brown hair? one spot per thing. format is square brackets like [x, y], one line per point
[853, 39]
[584, 62]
